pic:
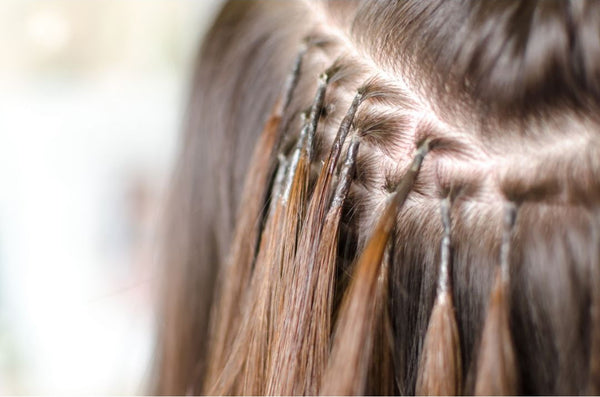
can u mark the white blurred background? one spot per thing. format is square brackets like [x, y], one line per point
[92, 95]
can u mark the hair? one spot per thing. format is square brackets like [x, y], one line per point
[390, 197]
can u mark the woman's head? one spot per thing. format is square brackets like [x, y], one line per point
[388, 197]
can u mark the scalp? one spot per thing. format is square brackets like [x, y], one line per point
[506, 94]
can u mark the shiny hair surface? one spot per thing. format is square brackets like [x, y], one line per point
[389, 197]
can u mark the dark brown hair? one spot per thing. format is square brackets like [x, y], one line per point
[388, 198]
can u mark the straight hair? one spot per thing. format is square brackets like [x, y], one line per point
[390, 197]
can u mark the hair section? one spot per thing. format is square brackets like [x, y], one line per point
[388, 198]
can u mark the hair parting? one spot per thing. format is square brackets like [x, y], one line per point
[440, 366]
[496, 370]
[311, 250]
[361, 307]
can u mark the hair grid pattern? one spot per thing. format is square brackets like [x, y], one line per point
[315, 318]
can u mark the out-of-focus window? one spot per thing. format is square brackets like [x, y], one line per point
[92, 95]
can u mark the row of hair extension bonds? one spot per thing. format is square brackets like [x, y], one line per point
[311, 290]
[238, 267]
[309, 44]
[265, 305]
[440, 363]
[313, 309]
[496, 372]
[372, 90]
[352, 346]
[324, 264]
[249, 371]
[304, 343]
[496, 367]
[283, 369]
[380, 94]
[265, 292]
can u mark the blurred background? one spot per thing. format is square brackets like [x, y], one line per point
[92, 95]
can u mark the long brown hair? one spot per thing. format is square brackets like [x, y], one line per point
[388, 198]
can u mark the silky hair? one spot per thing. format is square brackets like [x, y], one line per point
[392, 197]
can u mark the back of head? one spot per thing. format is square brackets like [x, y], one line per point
[388, 197]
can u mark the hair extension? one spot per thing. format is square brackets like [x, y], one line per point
[245, 238]
[243, 246]
[254, 370]
[281, 361]
[305, 334]
[248, 345]
[496, 371]
[269, 265]
[331, 276]
[381, 377]
[239, 270]
[440, 367]
[293, 77]
[347, 370]
[319, 325]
